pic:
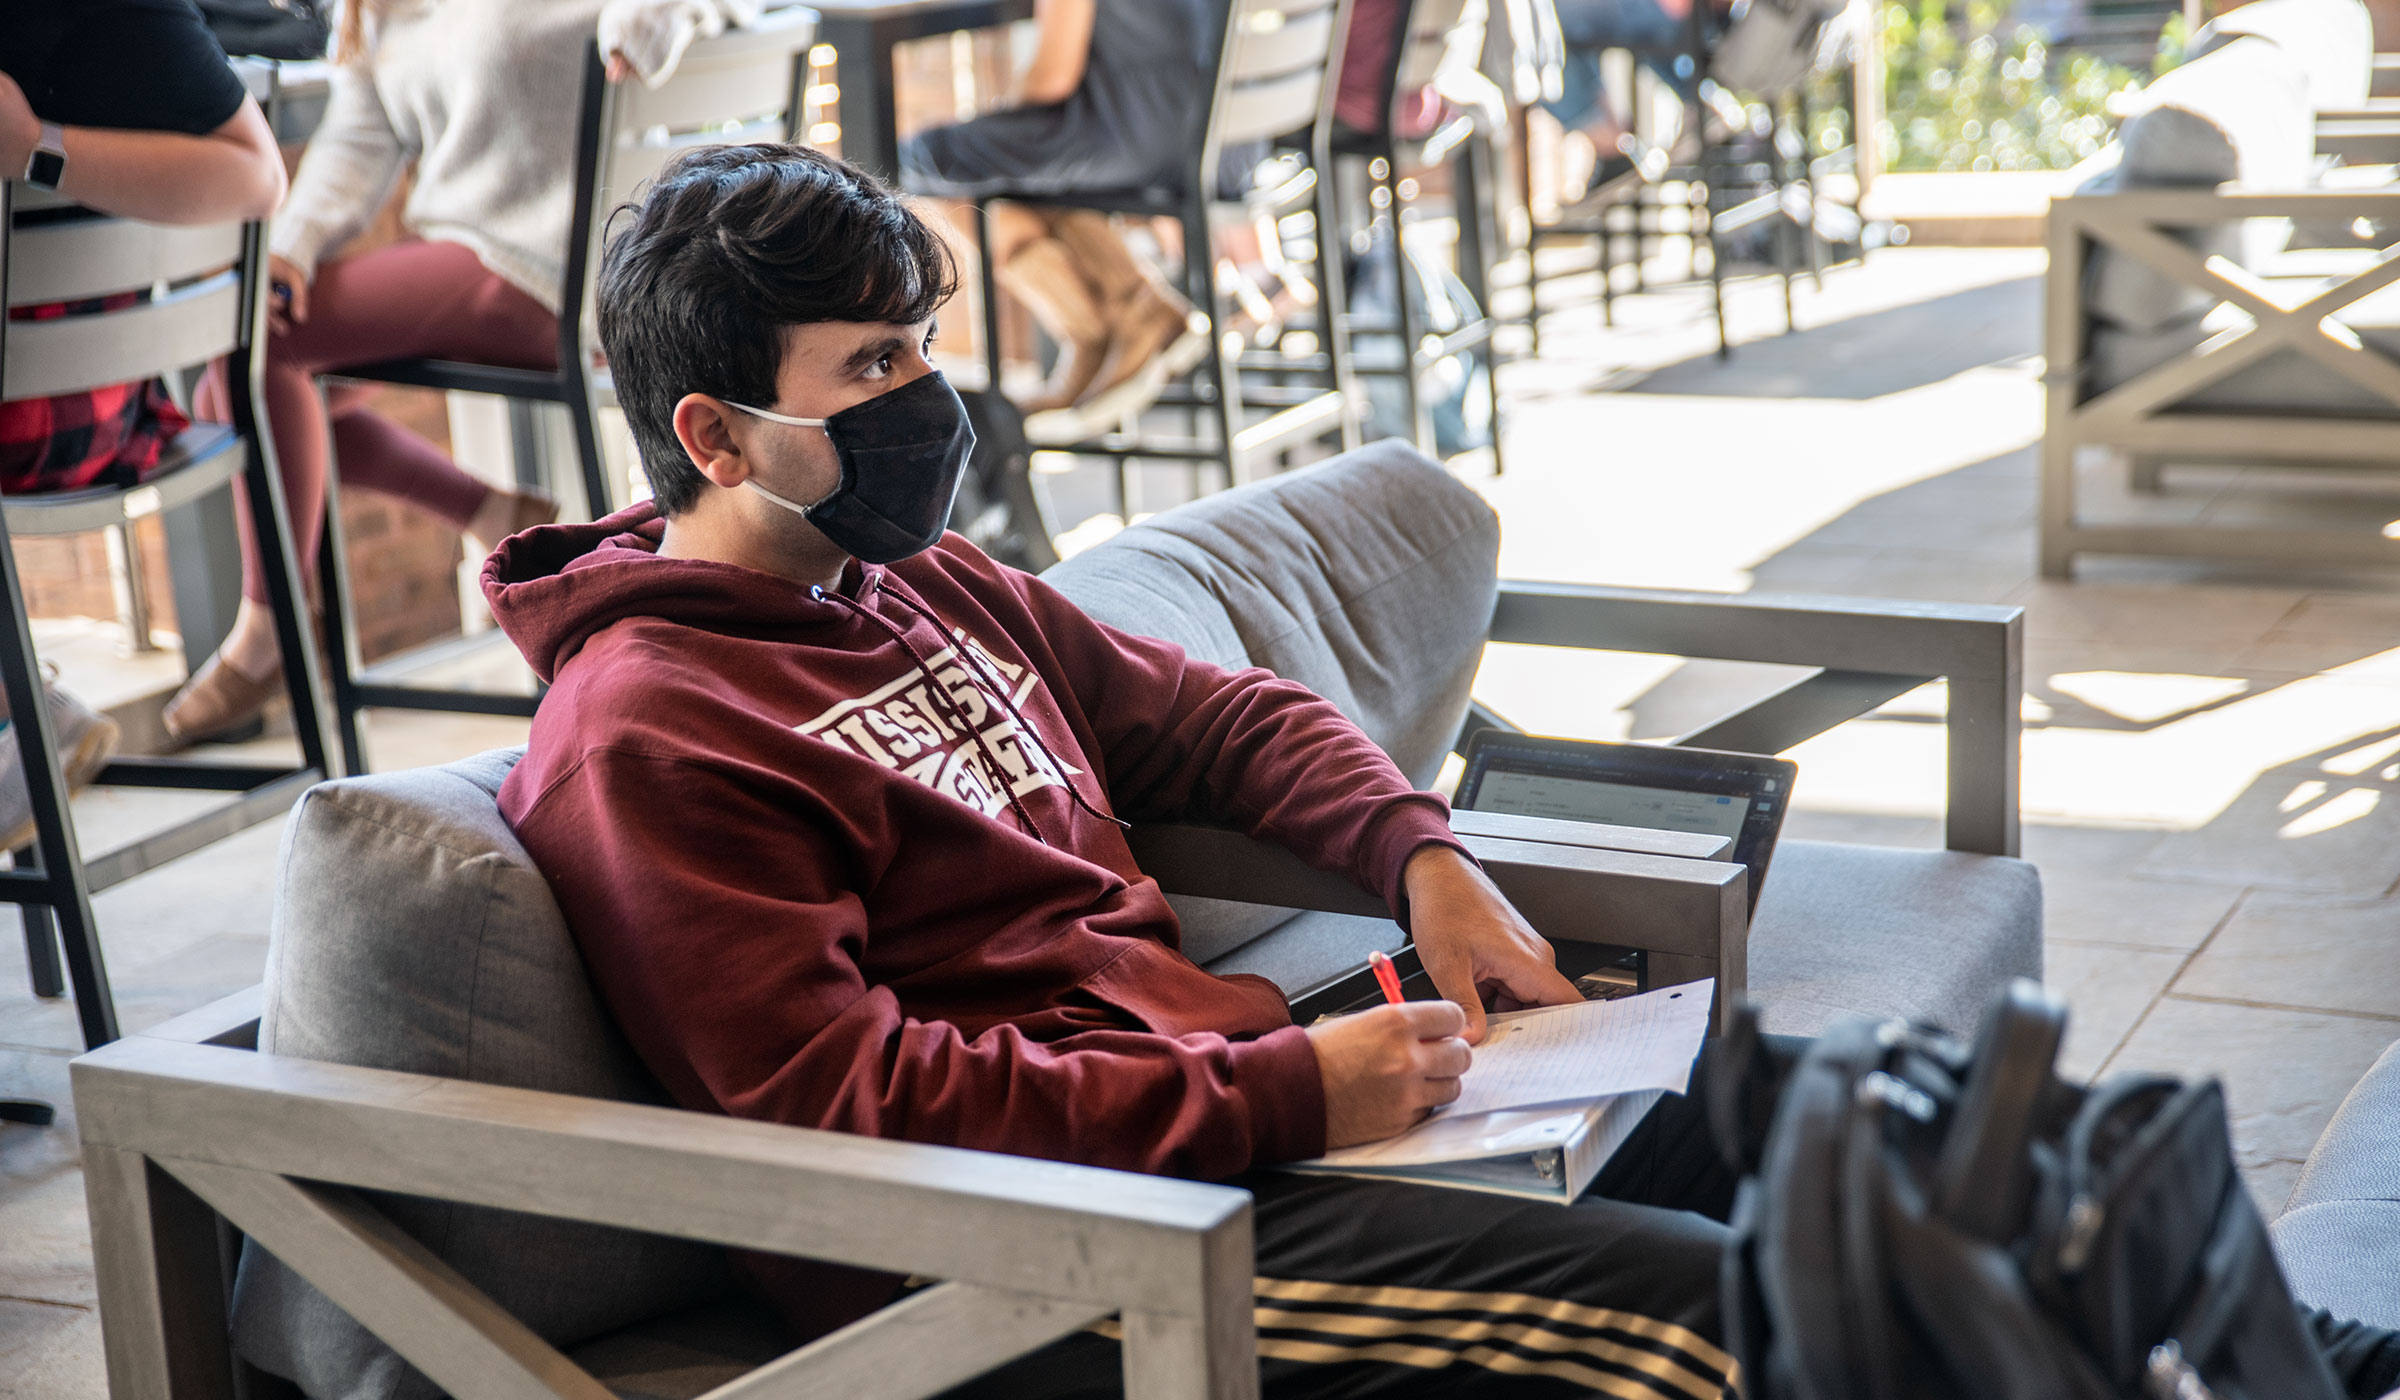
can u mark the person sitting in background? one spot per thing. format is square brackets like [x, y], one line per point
[127, 107]
[482, 95]
[1658, 33]
[1109, 102]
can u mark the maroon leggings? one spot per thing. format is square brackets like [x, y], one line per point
[407, 299]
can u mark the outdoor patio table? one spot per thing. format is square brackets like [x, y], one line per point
[863, 34]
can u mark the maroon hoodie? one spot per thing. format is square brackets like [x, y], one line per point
[850, 860]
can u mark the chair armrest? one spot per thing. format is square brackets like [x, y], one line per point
[1867, 651]
[1691, 917]
[1043, 1227]
[230, 1021]
[1032, 1249]
[2359, 137]
[2185, 208]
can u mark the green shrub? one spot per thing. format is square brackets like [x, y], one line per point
[1981, 93]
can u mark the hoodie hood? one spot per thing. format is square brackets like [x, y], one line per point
[554, 587]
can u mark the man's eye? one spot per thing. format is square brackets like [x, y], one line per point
[882, 367]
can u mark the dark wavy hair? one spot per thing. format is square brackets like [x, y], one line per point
[730, 248]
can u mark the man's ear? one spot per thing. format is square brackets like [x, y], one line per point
[705, 428]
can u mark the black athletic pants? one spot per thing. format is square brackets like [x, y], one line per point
[1384, 1290]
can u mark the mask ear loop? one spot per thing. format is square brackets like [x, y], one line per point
[776, 417]
[784, 501]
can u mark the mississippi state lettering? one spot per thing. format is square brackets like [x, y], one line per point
[901, 725]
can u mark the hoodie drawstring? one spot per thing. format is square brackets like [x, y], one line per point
[1024, 725]
[949, 702]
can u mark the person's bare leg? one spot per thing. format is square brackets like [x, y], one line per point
[250, 647]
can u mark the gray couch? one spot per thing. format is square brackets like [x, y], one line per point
[414, 938]
[2339, 1237]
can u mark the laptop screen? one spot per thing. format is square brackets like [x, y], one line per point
[1655, 786]
[1618, 804]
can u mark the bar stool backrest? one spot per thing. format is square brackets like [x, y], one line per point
[1422, 47]
[1280, 58]
[189, 301]
[740, 86]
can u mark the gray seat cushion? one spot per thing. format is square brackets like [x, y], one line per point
[412, 933]
[1867, 930]
[685, 1354]
[2339, 1239]
[1369, 579]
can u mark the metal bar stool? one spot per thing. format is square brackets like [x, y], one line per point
[743, 85]
[1424, 33]
[147, 301]
[1272, 83]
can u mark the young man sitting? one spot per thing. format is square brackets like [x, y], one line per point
[832, 803]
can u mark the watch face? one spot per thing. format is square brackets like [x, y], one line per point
[45, 170]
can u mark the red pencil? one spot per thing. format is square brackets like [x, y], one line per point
[1386, 977]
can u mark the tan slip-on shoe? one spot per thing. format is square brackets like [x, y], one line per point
[218, 699]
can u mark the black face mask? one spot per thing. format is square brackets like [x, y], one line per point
[902, 455]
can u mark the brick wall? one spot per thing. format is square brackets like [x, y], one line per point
[67, 575]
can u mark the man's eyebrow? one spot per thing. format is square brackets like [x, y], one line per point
[874, 350]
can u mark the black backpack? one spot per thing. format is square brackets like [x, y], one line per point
[1922, 1218]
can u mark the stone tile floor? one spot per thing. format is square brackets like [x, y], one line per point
[2208, 754]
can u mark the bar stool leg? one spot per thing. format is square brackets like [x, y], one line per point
[53, 823]
[1333, 300]
[988, 294]
[1408, 332]
[41, 941]
[599, 498]
[79, 932]
[341, 658]
[1520, 131]
[1200, 275]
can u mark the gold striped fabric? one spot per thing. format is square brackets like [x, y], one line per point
[1511, 1333]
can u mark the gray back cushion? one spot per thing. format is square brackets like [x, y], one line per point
[1369, 579]
[412, 933]
[2332, 40]
[2238, 115]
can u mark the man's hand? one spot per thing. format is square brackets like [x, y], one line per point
[20, 129]
[1386, 1068]
[1474, 943]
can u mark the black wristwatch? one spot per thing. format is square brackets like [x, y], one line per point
[47, 166]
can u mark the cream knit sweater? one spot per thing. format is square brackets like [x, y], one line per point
[483, 95]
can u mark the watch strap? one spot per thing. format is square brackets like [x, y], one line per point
[47, 166]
